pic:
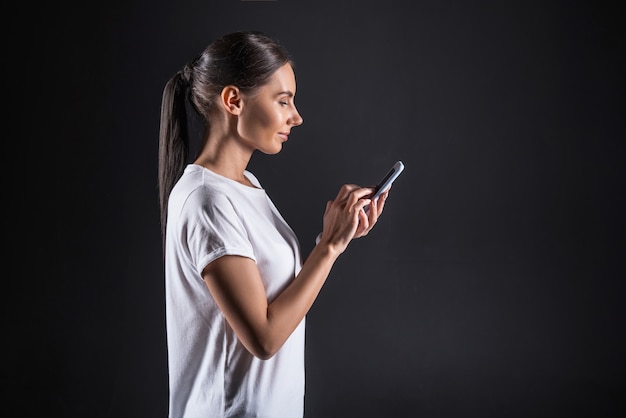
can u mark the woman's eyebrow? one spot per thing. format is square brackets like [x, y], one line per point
[285, 93]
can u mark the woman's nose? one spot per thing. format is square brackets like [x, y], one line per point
[296, 119]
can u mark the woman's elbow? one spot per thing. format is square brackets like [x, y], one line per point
[263, 355]
[263, 347]
[264, 351]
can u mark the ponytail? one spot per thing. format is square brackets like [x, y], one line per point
[173, 140]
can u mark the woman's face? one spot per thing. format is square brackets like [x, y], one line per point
[268, 114]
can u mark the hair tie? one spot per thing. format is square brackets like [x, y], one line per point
[185, 74]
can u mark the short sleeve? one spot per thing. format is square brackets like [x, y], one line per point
[213, 229]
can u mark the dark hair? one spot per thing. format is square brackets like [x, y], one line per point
[243, 59]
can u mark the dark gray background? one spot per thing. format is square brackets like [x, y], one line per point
[492, 287]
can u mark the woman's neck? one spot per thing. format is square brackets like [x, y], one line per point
[225, 157]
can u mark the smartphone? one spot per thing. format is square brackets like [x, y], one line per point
[386, 182]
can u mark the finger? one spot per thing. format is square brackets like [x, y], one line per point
[364, 224]
[380, 203]
[345, 190]
[363, 192]
[360, 206]
[373, 187]
[374, 211]
[357, 196]
[328, 205]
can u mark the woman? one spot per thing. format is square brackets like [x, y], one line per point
[237, 291]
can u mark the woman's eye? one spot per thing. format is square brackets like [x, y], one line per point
[284, 103]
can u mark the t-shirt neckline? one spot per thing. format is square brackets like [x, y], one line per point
[251, 177]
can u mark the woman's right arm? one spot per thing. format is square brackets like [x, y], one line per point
[236, 285]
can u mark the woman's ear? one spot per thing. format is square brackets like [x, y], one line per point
[231, 99]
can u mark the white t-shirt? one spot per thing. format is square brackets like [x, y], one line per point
[211, 374]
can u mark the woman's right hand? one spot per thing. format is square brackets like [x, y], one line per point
[345, 217]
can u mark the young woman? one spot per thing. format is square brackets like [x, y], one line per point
[237, 291]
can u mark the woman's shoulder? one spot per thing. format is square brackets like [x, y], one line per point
[196, 185]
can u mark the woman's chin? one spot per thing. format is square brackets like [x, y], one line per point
[272, 151]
